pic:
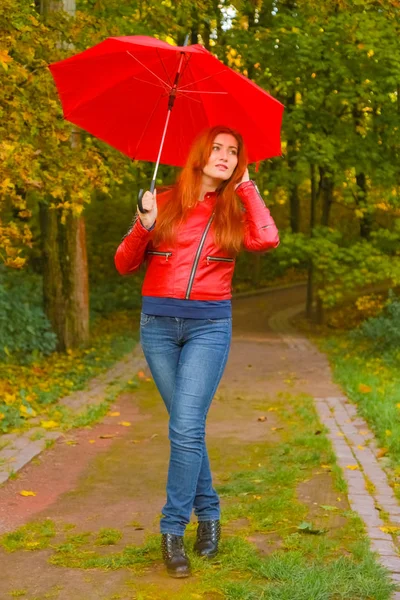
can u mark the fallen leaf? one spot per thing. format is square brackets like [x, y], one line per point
[106, 436]
[352, 467]
[364, 431]
[71, 442]
[361, 447]
[328, 507]
[125, 423]
[305, 527]
[389, 529]
[271, 408]
[148, 379]
[381, 453]
[49, 424]
[318, 432]
[339, 434]
[262, 419]
[364, 389]
[113, 414]
[92, 441]
[27, 493]
[257, 497]
[325, 466]
[141, 375]
[154, 435]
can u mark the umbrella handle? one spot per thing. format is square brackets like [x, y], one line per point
[140, 196]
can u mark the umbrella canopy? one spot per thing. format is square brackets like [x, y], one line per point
[119, 91]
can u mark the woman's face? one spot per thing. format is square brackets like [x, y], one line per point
[223, 158]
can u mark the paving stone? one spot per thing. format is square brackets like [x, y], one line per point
[383, 547]
[391, 562]
[388, 500]
[375, 533]
[355, 478]
[357, 440]
[348, 430]
[21, 449]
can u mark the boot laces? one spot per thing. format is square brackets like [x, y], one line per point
[175, 545]
[207, 530]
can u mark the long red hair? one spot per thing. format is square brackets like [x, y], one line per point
[228, 221]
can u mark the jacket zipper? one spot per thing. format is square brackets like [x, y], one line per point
[166, 254]
[197, 258]
[218, 259]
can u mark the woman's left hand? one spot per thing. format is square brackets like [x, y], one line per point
[244, 178]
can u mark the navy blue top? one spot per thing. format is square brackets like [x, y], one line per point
[187, 309]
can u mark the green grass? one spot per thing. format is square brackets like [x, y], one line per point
[333, 563]
[33, 390]
[34, 536]
[373, 383]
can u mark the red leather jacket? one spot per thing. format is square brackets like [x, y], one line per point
[194, 267]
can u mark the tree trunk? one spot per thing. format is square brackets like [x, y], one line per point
[294, 201]
[310, 278]
[53, 297]
[326, 187]
[65, 277]
[361, 200]
[65, 268]
[361, 193]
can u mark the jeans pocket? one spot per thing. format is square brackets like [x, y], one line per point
[146, 319]
[220, 321]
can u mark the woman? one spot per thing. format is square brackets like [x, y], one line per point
[189, 238]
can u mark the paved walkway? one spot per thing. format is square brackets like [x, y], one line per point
[112, 474]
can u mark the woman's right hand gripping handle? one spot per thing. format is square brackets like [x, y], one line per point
[149, 204]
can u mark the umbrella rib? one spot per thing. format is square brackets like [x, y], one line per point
[189, 98]
[165, 84]
[146, 126]
[164, 67]
[204, 78]
[149, 82]
[199, 92]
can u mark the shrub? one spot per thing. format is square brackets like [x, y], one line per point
[25, 332]
[383, 331]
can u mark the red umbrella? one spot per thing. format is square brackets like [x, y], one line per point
[123, 90]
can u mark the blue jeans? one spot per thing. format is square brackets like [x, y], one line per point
[187, 358]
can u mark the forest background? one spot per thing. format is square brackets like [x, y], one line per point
[66, 199]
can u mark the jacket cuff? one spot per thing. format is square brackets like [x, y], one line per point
[148, 229]
[248, 192]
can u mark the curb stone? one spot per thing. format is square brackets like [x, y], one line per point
[18, 449]
[355, 449]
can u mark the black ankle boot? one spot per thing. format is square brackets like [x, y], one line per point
[174, 555]
[208, 536]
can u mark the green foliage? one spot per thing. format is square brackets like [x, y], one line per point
[33, 389]
[25, 331]
[34, 536]
[383, 331]
[342, 265]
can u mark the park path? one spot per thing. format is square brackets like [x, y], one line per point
[113, 475]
